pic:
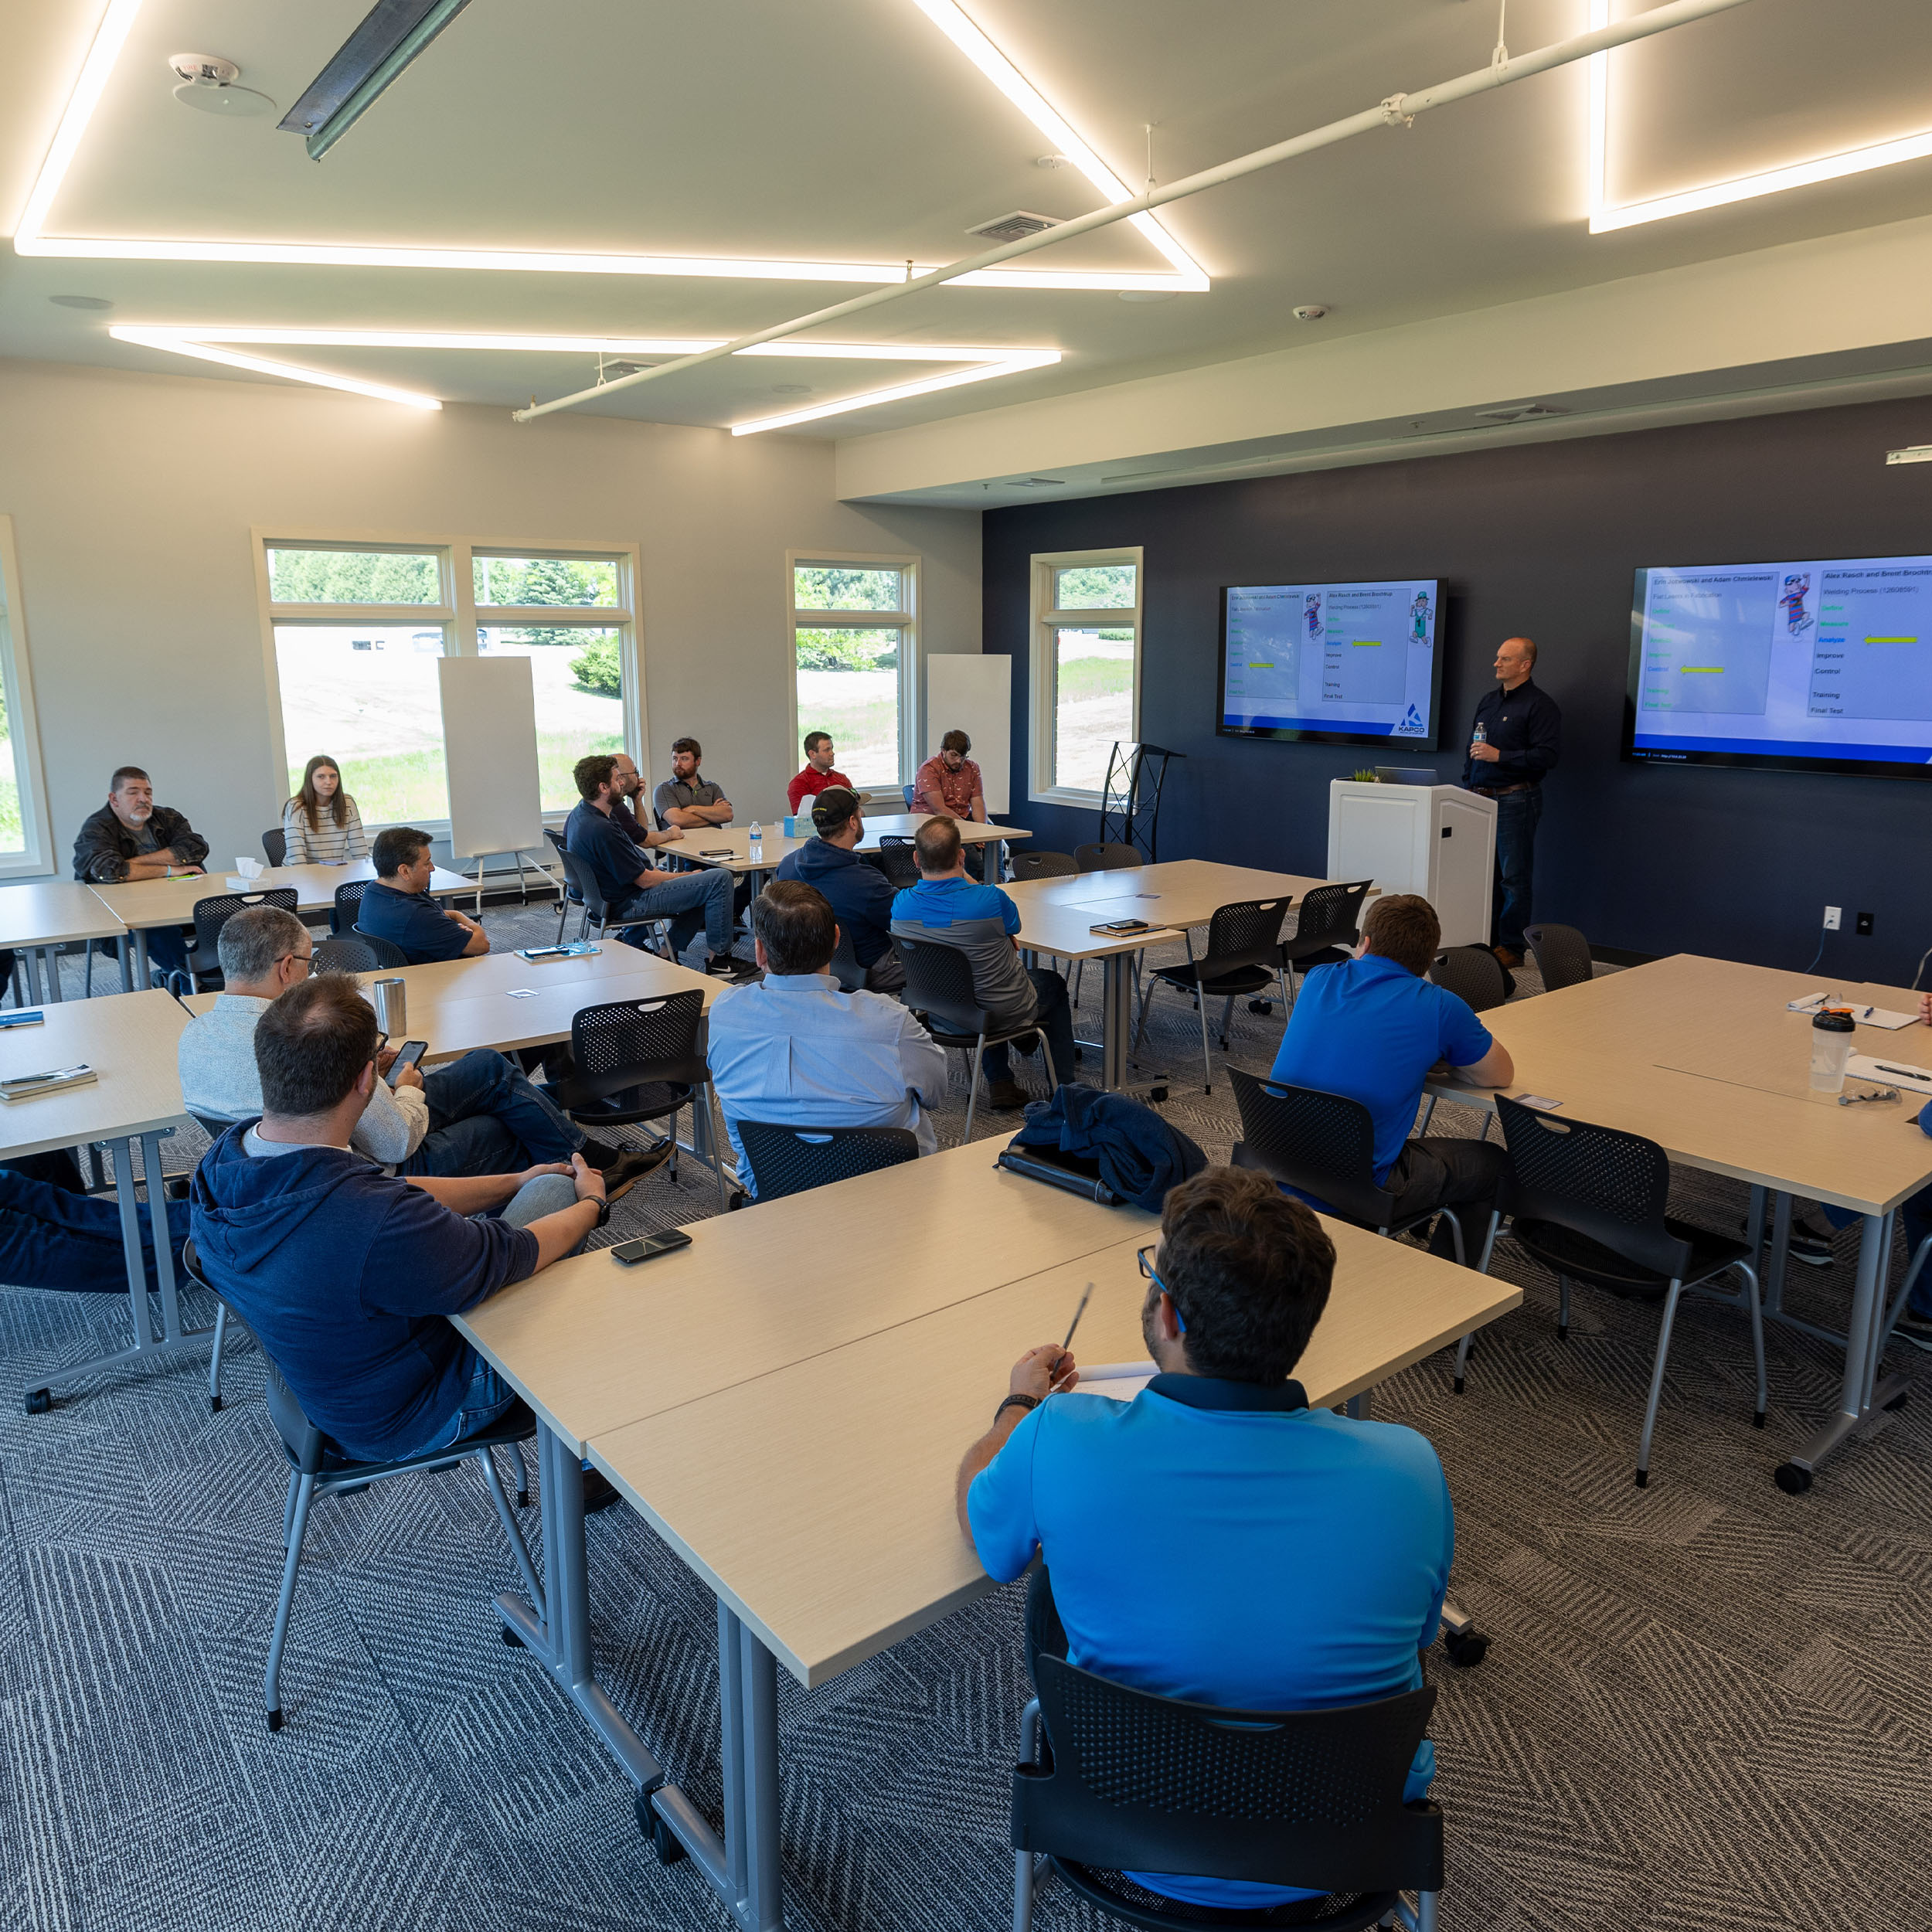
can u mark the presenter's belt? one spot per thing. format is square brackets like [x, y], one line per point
[1503, 791]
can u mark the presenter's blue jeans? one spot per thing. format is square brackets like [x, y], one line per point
[692, 901]
[1516, 815]
[486, 1116]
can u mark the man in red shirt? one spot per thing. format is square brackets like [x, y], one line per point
[818, 772]
[948, 784]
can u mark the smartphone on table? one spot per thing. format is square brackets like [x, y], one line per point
[412, 1051]
[648, 1247]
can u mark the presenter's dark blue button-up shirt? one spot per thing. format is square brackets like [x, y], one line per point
[1526, 726]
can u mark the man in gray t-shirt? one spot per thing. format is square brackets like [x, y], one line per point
[686, 801]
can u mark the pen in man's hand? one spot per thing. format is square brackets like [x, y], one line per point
[1085, 1296]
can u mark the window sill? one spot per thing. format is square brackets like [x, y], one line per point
[1064, 795]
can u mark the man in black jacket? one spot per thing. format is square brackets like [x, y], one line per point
[130, 837]
[1515, 741]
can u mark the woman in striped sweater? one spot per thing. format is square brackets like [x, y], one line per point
[320, 822]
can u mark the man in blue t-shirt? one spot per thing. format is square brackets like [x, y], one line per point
[634, 892]
[1374, 1029]
[980, 920]
[398, 907]
[1215, 1538]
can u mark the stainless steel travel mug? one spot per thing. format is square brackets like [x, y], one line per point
[392, 1006]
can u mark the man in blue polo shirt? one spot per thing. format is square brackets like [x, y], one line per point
[1374, 1029]
[398, 907]
[634, 892]
[980, 920]
[1215, 1538]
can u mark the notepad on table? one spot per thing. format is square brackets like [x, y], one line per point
[26, 1086]
[1118, 1381]
[1890, 1073]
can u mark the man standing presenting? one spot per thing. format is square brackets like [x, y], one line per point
[1515, 740]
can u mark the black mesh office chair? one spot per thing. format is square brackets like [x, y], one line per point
[1325, 927]
[789, 1160]
[1588, 1203]
[204, 974]
[570, 896]
[635, 1061]
[1108, 858]
[347, 953]
[1474, 974]
[897, 862]
[939, 989]
[1323, 1145]
[387, 954]
[1562, 954]
[1111, 1779]
[1242, 956]
[275, 845]
[845, 968]
[349, 905]
[1043, 865]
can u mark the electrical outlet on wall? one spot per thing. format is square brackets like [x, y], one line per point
[1834, 917]
[1864, 924]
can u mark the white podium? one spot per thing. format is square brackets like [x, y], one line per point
[1438, 841]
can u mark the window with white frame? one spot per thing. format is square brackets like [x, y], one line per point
[357, 628]
[1086, 668]
[855, 645]
[25, 847]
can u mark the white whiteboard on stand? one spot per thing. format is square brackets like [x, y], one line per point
[973, 693]
[489, 752]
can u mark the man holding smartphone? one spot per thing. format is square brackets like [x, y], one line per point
[282, 1204]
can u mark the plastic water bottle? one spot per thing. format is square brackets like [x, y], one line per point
[1481, 737]
[757, 840]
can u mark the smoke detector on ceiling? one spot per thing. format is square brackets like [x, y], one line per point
[1052, 160]
[207, 82]
[1012, 227]
[1311, 312]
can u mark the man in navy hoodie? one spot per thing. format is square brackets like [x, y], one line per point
[345, 1273]
[854, 888]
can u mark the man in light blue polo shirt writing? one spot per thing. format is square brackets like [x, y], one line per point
[1374, 1029]
[1215, 1538]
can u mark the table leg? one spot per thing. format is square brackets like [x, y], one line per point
[1117, 1020]
[126, 949]
[1779, 1265]
[30, 961]
[1863, 1340]
[146, 1342]
[748, 1701]
[144, 977]
[52, 956]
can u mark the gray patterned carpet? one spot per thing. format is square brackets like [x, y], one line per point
[1707, 1704]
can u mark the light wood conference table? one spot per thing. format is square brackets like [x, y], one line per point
[1057, 916]
[722, 1363]
[45, 913]
[1701, 1056]
[728, 847]
[143, 903]
[130, 1040]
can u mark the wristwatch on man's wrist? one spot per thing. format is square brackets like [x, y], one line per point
[1015, 1401]
[603, 1209]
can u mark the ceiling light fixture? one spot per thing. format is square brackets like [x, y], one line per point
[983, 363]
[946, 16]
[1917, 453]
[30, 238]
[178, 345]
[1606, 216]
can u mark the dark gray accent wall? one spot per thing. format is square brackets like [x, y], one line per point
[1541, 541]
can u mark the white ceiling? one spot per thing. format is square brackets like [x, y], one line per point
[854, 130]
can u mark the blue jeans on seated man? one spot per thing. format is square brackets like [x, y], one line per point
[489, 1394]
[691, 901]
[1517, 813]
[1915, 1215]
[486, 1116]
[52, 1236]
[1055, 1015]
[167, 950]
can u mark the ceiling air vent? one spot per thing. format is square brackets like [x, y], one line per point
[1523, 413]
[1014, 227]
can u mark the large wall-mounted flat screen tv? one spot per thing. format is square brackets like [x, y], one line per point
[1815, 664]
[1339, 664]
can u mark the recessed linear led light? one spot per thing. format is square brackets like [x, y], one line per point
[30, 239]
[1606, 216]
[983, 362]
[1917, 453]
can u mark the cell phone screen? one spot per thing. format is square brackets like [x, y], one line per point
[650, 1246]
[413, 1050]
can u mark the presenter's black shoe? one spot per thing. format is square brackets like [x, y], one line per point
[630, 1166]
[1916, 1329]
[735, 972]
[1007, 1096]
[599, 1491]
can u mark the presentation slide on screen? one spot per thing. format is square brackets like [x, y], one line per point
[1829, 659]
[1356, 657]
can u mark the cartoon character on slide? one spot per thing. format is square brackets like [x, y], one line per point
[1419, 618]
[1311, 614]
[1792, 603]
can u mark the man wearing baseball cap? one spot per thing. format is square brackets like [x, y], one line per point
[854, 888]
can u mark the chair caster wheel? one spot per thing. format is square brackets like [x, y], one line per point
[1157, 1096]
[274, 1720]
[1792, 1479]
[1757, 1418]
[1643, 1479]
[214, 1405]
[664, 1842]
[1461, 1385]
[510, 1637]
[1465, 1648]
[1261, 1006]
[735, 1202]
[37, 1402]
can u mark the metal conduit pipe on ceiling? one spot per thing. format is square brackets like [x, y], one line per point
[1397, 110]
